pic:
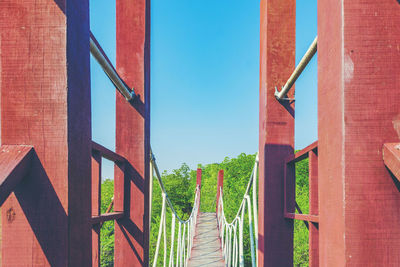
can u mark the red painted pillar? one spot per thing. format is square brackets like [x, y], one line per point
[277, 61]
[198, 183]
[96, 206]
[133, 133]
[45, 102]
[198, 177]
[313, 206]
[220, 185]
[358, 111]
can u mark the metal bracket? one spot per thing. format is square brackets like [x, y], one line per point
[282, 98]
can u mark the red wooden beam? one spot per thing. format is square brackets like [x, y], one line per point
[358, 111]
[96, 205]
[106, 153]
[45, 103]
[133, 133]
[276, 133]
[313, 235]
[302, 217]
[302, 154]
[107, 217]
[391, 158]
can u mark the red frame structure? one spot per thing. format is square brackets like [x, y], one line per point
[50, 168]
[311, 220]
[358, 112]
[51, 218]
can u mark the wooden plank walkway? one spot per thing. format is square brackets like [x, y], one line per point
[206, 249]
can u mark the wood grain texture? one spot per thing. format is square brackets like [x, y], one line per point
[15, 163]
[358, 111]
[45, 103]
[276, 132]
[133, 133]
[206, 250]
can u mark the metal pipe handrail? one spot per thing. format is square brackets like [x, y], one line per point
[101, 57]
[297, 72]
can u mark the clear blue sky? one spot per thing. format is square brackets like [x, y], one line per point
[204, 79]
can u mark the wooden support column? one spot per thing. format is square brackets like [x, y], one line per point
[198, 183]
[96, 206]
[45, 103]
[313, 207]
[198, 177]
[358, 111]
[277, 62]
[220, 185]
[133, 133]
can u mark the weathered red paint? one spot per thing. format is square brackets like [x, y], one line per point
[133, 133]
[276, 133]
[391, 158]
[15, 162]
[96, 205]
[313, 207]
[220, 185]
[45, 103]
[358, 111]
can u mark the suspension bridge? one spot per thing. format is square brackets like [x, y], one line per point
[50, 169]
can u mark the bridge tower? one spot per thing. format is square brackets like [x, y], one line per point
[50, 168]
[357, 216]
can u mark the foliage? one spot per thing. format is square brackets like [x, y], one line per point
[180, 185]
[107, 230]
[300, 242]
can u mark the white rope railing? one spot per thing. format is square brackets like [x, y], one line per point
[186, 228]
[231, 237]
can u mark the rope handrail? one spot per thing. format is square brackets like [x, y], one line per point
[232, 248]
[186, 228]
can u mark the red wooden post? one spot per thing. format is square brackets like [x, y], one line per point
[277, 61]
[198, 183]
[45, 102]
[198, 177]
[133, 133]
[96, 206]
[358, 111]
[220, 185]
[313, 207]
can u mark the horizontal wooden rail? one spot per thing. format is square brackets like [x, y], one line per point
[107, 153]
[107, 217]
[302, 217]
[15, 162]
[391, 158]
[302, 154]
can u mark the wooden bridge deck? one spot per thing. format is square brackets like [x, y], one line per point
[206, 249]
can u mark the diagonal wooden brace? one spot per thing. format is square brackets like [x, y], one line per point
[391, 158]
[15, 162]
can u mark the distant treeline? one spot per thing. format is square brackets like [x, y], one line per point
[180, 185]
